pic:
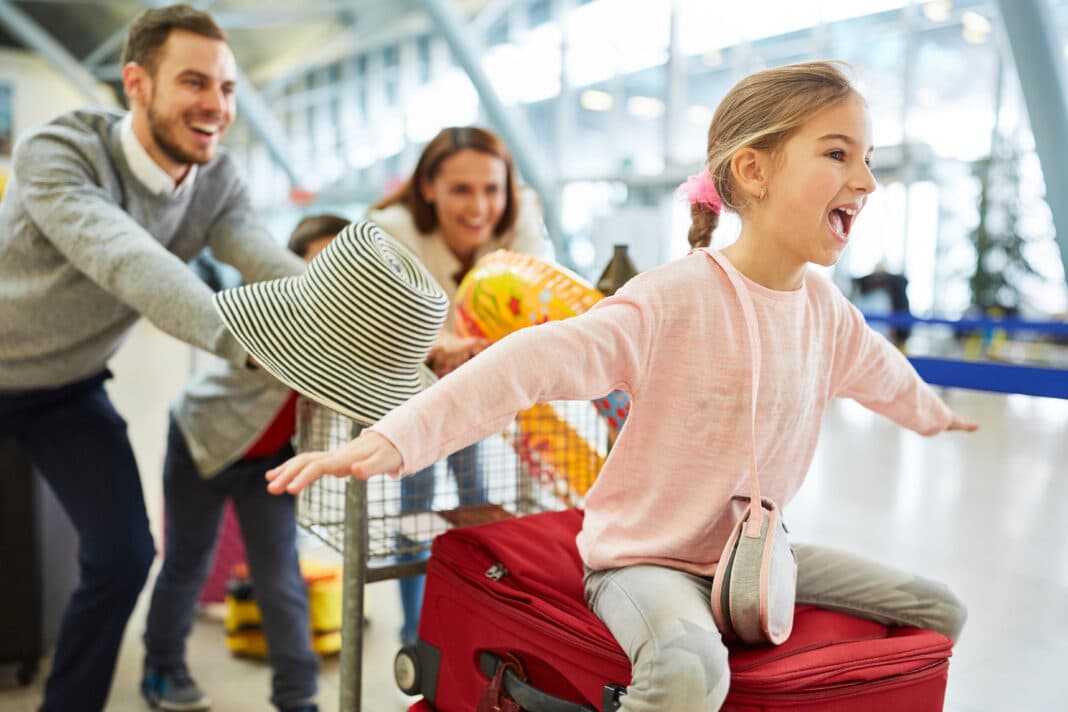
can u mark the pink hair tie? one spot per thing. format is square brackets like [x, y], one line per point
[701, 189]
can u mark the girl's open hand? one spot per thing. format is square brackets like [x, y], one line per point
[959, 423]
[369, 454]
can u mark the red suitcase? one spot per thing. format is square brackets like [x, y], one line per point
[515, 588]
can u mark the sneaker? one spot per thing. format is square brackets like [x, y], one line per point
[172, 690]
[303, 708]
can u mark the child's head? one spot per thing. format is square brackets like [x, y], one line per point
[792, 144]
[764, 109]
[315, 232]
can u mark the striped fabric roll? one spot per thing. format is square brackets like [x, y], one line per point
[352, 332]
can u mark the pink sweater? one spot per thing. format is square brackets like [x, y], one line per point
[674, 338]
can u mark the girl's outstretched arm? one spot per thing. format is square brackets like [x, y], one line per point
[367, 455]
[958, 423]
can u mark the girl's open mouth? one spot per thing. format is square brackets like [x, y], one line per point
[841, 219]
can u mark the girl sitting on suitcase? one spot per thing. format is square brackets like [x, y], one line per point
[788, 150]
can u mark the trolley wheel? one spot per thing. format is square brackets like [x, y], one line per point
[26, 673]
[406, 670]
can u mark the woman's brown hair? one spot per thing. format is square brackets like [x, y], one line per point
[446, 144]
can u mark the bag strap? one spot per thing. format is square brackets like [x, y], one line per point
[756, 511]
[525, 695]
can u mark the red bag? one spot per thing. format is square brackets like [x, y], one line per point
[515, 587]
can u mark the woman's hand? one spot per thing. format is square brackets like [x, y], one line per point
[451, 351]
[958, 423]
[369, 454]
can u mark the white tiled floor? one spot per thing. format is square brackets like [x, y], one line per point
[982, 512]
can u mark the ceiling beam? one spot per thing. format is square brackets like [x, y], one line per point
[385, 24]
[27, 31]
[488, 16]
[272, 16]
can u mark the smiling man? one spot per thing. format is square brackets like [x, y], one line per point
[104, 211]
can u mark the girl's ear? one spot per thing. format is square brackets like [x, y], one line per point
[749, 169]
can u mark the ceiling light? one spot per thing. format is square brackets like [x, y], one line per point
[937, 10]
[926, 96]
[974, 21]
[700, 115]
[645, 107]
[974, 36]
[595, 100]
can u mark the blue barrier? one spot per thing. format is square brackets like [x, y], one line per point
[1054, 328]
[985, 376]
[995, 377]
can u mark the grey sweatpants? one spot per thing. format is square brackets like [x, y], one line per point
[662, 619]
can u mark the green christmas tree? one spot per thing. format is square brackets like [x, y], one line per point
[1000, 262]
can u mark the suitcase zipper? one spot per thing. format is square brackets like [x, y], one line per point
[494, 600]
[814, 694]
[496, 572]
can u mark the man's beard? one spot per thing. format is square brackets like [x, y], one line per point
[161, 134]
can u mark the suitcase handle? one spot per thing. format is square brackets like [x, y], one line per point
[526, 695]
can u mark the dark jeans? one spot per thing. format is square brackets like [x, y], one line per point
[78, 442]
[194, 511]
[417, 495]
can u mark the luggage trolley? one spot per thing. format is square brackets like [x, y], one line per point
[545, 460]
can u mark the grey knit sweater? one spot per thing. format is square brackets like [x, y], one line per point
[85, 249]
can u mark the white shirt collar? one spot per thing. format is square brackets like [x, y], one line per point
[146, 170]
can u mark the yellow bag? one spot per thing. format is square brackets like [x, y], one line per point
[244, 629]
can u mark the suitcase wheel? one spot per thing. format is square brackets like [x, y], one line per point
[406, 670]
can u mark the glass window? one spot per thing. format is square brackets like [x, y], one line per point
[499, 31]
[528, 70]
[422, 49]
[952, 103]
[875, 46]
[539, 12]
[639, 36]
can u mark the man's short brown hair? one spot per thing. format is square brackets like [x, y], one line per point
[151, 28]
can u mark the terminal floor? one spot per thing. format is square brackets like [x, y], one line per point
[981, 512]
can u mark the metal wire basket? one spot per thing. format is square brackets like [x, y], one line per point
[546, 459]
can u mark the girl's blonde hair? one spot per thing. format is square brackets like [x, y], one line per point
[762, 111]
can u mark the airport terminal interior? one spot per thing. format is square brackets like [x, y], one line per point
[605, 106]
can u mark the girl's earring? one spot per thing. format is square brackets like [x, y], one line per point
[763, 192]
